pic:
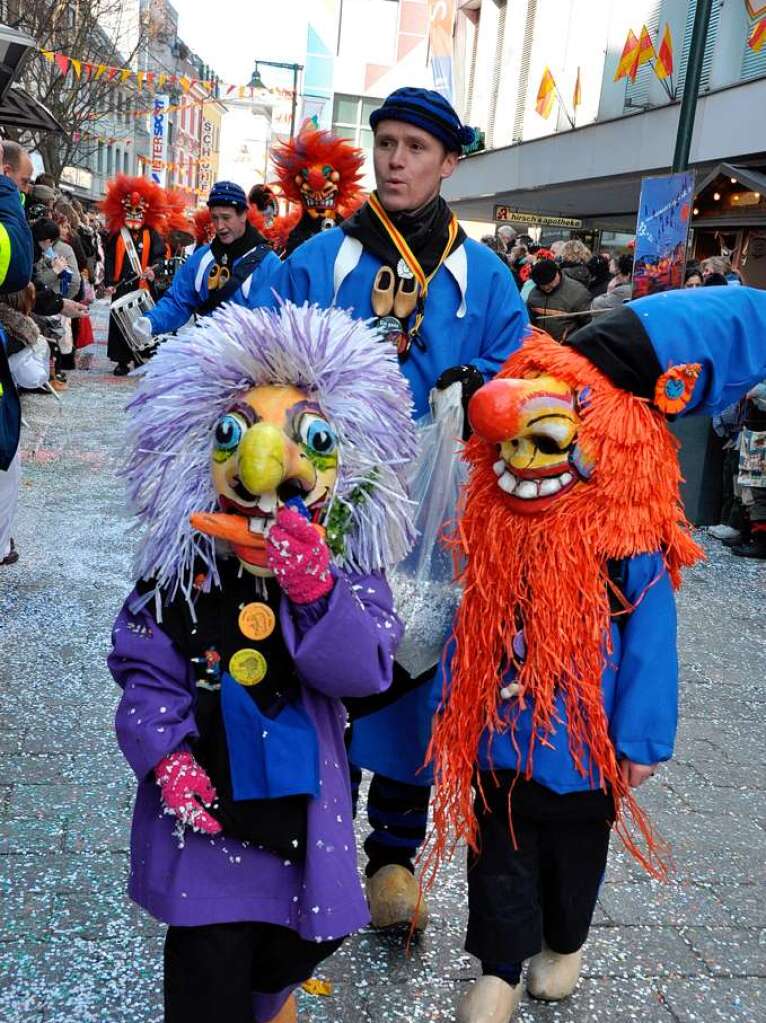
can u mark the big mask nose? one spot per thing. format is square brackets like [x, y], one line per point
[494, 412]
[267, 458]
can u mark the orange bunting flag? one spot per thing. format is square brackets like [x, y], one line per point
[62, 62]
[663, 65]
[757, 37]
[185, 83]
[546, 94]
[577, 97]
[645, 49]
[628, 63]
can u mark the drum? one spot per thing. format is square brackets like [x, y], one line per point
[126, 311]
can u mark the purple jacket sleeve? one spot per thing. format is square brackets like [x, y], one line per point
[155, 714]
[344, 644]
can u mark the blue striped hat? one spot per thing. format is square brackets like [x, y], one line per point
[426, 109]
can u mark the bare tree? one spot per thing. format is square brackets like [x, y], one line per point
[85, 30]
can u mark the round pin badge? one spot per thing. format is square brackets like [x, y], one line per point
[248, 667]
[403, 270]
[257, 621]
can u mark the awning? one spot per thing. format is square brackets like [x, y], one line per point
[20, 110]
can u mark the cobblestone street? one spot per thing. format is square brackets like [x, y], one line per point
[75, 950]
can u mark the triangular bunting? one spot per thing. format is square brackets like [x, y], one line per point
[76, 66]
[62, 62]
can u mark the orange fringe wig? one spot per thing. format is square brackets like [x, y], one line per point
[314, 149]
[177, 217]
[550, 573]
[279, 230]
[121, 186]
[203, 225]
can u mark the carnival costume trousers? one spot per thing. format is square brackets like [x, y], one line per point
[398, 816]
[237, 972]
[543, 888]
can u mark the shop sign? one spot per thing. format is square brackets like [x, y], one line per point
[510, 213]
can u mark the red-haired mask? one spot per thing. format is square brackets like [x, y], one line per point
[135, 206]
[318, 185]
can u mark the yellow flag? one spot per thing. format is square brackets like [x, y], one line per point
[125, 74]
[100, 70]
[140, 75]
[76, 66]
[577, 98]
[546, 94]
[48, 54]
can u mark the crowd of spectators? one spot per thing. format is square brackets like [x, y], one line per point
[51, 259]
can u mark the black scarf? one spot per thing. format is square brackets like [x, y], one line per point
[425, 231]
[238, 247]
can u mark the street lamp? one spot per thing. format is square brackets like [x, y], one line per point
[256, 82]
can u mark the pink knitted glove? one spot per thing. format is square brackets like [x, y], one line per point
[299, 558]
[185, 789]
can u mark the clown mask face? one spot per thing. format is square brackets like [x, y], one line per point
[535, 424]
[134, 207]
[271, 448]
[319, 190]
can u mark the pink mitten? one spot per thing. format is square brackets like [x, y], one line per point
[185, 789]
[299, 558]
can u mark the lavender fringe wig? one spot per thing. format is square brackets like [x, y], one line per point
[195, 378]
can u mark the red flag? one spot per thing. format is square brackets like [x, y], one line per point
[628, 63]
[645, 50]
[62, 62]
[663, 66]
[546, 94]
[757, 37]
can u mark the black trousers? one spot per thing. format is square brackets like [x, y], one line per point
[212, 971]
[546, 887]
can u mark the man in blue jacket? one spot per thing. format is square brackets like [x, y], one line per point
[451, 309]
[237, 260]
[15, 273]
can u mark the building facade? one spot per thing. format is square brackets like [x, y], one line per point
[622, 130]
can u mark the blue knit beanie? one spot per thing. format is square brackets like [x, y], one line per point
[227, 193]
[428, 110]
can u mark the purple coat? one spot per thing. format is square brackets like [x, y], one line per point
[342, 645]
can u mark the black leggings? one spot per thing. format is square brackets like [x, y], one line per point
[212, 972]
[546, 887]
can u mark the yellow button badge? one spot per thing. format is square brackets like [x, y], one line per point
[248, 667]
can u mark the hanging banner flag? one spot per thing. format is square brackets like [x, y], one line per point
[645, 49]
[628, 63]
[755, 8]
[577, 97]
[546, 94]
[757, 37]
[158, 172]
[62, 62]
[441, 16]
[663, 66]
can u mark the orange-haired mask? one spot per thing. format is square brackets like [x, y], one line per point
[535, 424]
[135, 207]
[319, 190]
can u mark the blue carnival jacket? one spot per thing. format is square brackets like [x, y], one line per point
[189, 289]
[15, 239]
[473, 315]
[639, 688]
[473, 311]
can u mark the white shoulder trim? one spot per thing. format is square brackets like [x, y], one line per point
[349, 254]
[204, 263]
[457, 264]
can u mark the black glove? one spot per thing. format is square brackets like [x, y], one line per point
[470, 380]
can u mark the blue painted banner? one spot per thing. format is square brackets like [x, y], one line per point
[441, 16]
[664, 211]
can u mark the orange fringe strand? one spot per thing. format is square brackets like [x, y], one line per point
[550, 573]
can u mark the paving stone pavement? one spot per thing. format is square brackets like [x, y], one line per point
[74, 950]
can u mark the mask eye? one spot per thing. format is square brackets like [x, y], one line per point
[317, 434]
[327, 170]
[228, 432]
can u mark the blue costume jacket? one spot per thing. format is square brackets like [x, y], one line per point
[473, 314]
[189, 289]
[639, 689]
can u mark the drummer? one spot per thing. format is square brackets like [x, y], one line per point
[237, 260]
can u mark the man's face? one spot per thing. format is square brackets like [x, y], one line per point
[21, 177]
[229, 223]
[410, 166]
[548, 288]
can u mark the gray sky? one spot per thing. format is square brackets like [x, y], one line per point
[230, 35]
